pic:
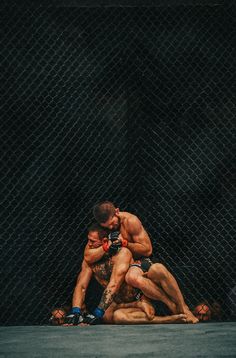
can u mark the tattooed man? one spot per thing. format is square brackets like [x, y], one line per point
[127, 305]
[153, 279]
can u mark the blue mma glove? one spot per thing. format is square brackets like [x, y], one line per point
[75, 317]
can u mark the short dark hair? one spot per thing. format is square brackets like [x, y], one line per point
[103, 211]
[101, 231]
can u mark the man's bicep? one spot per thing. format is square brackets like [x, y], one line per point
[144, 241]
[134, 225]
[137, 231]
[140, 236]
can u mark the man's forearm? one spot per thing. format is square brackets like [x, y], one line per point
[108, 295]
[106, 299]
[93, 255]
[78, 296]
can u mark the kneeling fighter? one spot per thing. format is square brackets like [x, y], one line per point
[118, 269]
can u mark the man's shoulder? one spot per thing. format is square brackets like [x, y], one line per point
[129, 216]
[130, 220]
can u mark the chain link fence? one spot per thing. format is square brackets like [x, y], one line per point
[132, 105]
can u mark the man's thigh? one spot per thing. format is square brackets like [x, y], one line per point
[134, 272]
[139, 268]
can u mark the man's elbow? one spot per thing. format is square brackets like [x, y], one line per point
[148, 251]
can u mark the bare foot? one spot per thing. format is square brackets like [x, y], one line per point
[179, 318]
[190, 317]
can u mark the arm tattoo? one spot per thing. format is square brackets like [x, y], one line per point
[106, 299]
[102, 271]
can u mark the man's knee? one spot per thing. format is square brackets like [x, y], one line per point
[134, 277]
[121, 265]
[129, 277]
[125, 254]
[124, 257]
[157, 271]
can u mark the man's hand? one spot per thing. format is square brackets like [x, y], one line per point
[112, 245]
[92, 320]
[73, 319]
[117, 242]
[114, 236]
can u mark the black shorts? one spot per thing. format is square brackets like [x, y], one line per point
[144, 263]
[161, 309]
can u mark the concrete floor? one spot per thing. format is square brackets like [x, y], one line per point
[201, 340]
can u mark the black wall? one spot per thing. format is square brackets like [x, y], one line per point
[134, 105]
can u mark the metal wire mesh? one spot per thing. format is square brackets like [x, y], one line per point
[134, 105]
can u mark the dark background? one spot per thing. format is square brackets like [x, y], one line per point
[129, 104]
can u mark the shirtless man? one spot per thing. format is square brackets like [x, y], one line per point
[128, 306]
[157, 282]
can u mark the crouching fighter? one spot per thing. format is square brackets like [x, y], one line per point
[123, 306]
[126, 230]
